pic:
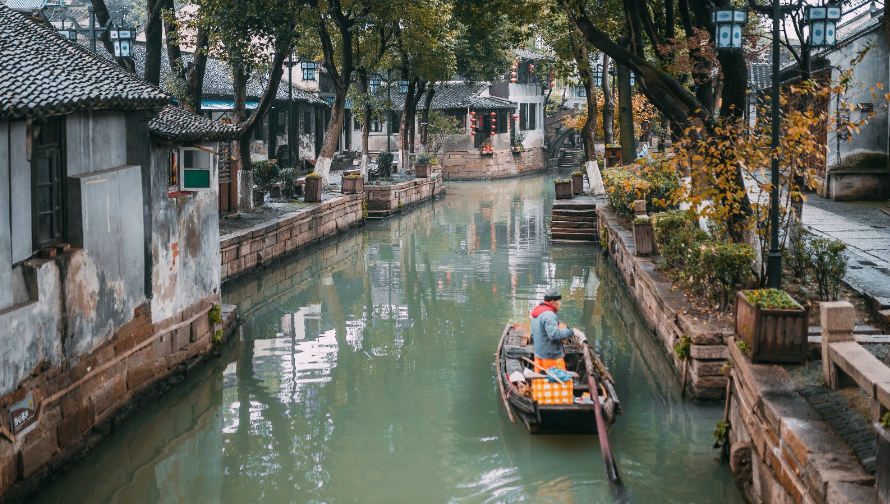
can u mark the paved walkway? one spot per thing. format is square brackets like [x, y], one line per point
[865, 229]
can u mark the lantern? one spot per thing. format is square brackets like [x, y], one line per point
[472, 113]
[513, 80]
[122, 39]
[492, 132]
[531, 67]
[728, 26]
[473, 132]
[822, 22]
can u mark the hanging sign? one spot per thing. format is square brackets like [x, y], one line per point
[22, 415]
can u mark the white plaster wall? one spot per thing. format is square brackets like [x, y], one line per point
[5, 231]
[20, 193]
[96, 141]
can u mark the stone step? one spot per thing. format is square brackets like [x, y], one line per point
[565, 212]
[559, 235]
[572, 224]
[577, 231]
[573, 205]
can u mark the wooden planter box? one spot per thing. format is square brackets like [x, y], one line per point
[774, 335]
[422, 170]
[563, 190]
[352, 185]
[577, 184]
[312, 191]
[644, 239]
[613, 156]
[882, 468]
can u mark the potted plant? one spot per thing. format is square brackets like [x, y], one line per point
[613, 155]
[486, 147]
[577, 182]
[516, 146]
[384, 164]
[772, 324]
[352, 184]
[644, 237]
[882, 429]
[422, 166]
[563, 188]
[313, 188]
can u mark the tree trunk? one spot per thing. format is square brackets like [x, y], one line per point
[332, 135]
[366, 124]
[608, 103]
[153, 42]
[192, 74]
[588, 133]
[404, 128]
[412, 112]
[243, 195]
[102, 17]
[425, 115]
[625, 117]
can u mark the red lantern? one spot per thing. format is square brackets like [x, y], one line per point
[492, 132]
[531, 67]
[552, 84]
[492, 114]
[472, 113]
[473, 132]
[513, 80]
[494, 120]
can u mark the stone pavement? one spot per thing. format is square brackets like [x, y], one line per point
[865, 229]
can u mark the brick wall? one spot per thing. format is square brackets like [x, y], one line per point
[384, 199]
[472, 165]
[139, 360]
[664, 309]
[245, 249]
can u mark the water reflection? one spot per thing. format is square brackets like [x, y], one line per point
[365, 374]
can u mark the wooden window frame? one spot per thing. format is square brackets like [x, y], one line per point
[57, 183]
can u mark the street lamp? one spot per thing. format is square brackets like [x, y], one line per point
[598, 76]
[122, 38]
[68, 28]
[728, 24]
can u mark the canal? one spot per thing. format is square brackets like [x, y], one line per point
[365, 374]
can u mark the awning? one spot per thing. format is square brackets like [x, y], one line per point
[225, 105]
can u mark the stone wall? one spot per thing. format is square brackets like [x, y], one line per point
[473, 165]
[83, 400]
[781, 450]
[383, 200]
[665, 311]
[246, 249]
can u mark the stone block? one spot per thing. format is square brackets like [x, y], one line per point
[74, 426]
[709, 352]
[138, 376]
[177, 358]
[162, 346]
[851, 493]
[700, 332]
[715, 382]
[108, 393]
[826, 468]
[707, 368]
[859, 364]
[36, 455]
[639, 208]
[837, 317]
[198, 328]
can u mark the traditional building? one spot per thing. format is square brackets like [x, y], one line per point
[107, 277]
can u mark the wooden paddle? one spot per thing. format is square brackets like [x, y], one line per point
[608, 458]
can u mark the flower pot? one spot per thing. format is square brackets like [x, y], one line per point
[516, 150]
[487, 152]
[775, 335]
[422, 171]
[613, 156]
[352, 185]
[577, 184]
[644, 239]
[882, 469]
[563, 190]
[275, 192]
[312, 190]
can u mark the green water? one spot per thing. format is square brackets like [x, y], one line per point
[364, 373]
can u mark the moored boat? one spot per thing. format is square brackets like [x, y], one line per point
[576, 414]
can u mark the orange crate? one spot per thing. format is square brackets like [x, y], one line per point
[551, 393]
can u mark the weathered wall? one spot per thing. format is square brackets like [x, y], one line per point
[382, 200]
[95, 141]
[245, 249]
[20, 192]
[5, 231]
[82, 399]
[184, 241]
[664, 310]
[472, 165]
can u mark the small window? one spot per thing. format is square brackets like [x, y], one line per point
[376, 127]
[403, 87]
[532, 116]
[48, 191]
[523, 116]
[395, 120]
[195, 170]
[309, 69]
[582, 91]
[307, 122]
[373, 84]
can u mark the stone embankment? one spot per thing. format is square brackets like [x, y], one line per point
[473, 165]
[245, 249]
[384, 200]
[80, 403]
[780, 448]
[666, 311]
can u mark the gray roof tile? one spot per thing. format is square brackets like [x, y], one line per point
[174, 123]
[43, 74]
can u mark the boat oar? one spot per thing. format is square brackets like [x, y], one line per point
[608, 458]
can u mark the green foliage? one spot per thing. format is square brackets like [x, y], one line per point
[384, 163]
[578, 173]
[682, 348]
[439, 127]
[217, 337]
[423, 159]
[728, 266]
[287, 177]
[364, 210]
[676, 235]
[563, 181]
[771, 299]
[829, 266]
[743, 346]
[796, 254]
[313, 175]
[654, 182]
[885, 420]
[265, 175]
[214, 316]
[721, 434]
[642, 220]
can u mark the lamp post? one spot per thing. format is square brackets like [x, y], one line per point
[729, 23]
[389, 113]
[121, 37]
[598, 75]
[291, 137]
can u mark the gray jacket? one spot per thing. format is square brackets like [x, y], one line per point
[548, 337]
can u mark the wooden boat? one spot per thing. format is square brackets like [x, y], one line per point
[575, 418]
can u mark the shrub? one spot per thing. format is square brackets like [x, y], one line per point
[829, 266]
[728, 267]
[423, 159]
[795, 253]
[641, 220]
[563, 180]
[677, 236]
[622, 188]
[288, 178]
[656, 181]
[265, 174]
[384, 163]
[578, 173]
[313, 175]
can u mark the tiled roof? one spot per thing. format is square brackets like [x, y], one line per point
[174, 123]
[528, 54]
[454, 95]
[43, 74]
[759, 76]
[26, 5]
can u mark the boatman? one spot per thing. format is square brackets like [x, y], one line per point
[549, 333]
